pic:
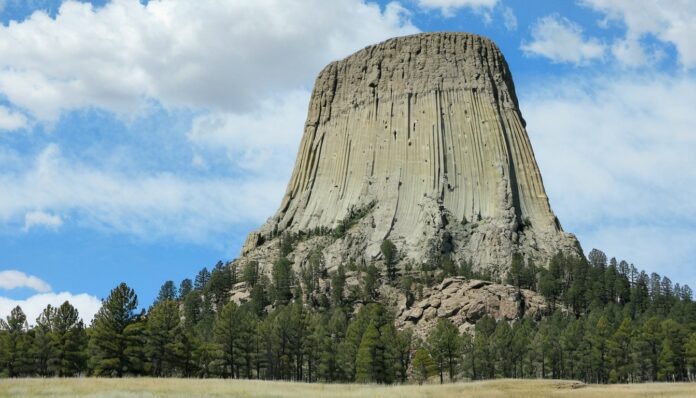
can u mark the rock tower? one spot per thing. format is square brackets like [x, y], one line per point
[419, 140]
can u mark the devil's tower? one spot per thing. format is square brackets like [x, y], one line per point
[418, 140]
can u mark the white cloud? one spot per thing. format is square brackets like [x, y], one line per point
[671, 22]
[509, 19]
[37, 218]
[146, 205]
[227, 56]
[13, 279]
[448, 7]
[561, 40]
[11, 120]
[616, 153]
[86, 305]
[629, 53]
[245, 137]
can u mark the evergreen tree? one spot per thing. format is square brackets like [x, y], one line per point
[42, 344]
[515, 274]
[389, 253]
[163, 327]
[167, 292]
[550, 282]
[201, 279]
[338, 283]
[185, 288]
[227, 336]
[283, 281]
[259, 296]
[219, 286]
[366, 361]
[445, 346]
[251, 273]
[111, 337]
[69, 342]
[370, 283]
[423, 365]
[620, 353]
[403, 346]
[691, 355]
[667, 371]
[15, 344]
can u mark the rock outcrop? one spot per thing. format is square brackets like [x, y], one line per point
[418, 140]
[464, 302]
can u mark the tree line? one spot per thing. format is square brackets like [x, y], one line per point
[607, 323]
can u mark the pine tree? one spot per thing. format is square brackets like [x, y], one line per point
[246, 328]
[251, 273]
[666, 371]
[259, 296]
[691, 355]
[338, 283]
[15, 344]
[389, 253]
[69, 342]
[185, 347]
[445, 347]
[370, 283]
[111, 336]
[515, 275]
[283, 281]
[163, 327]
[403, 347]
[502, 342]
[42, 344]
[365, 361]
[550, 282]
[192, 309]
[650, 343]
[185, 288]
[219, 286]
[423, 365]
[167, 292]
[620, 352]
[201, 279]
[227, 336]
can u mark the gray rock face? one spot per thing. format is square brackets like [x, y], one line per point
[465, 301]
[426, 133]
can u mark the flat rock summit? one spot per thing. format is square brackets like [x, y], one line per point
[419, 140]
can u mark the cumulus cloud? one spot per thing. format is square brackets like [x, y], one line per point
[562, 41]
[85, 304]
[448, 7]
[34, 219]
[244, 137]
[11, 120]
[121, 56]
[672, 22]
[146, 205]
[616, 153]
[13, 279]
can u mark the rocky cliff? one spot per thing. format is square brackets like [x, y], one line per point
[418, 140]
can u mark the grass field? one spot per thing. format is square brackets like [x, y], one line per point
[147, 387]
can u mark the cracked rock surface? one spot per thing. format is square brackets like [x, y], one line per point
[466, 301]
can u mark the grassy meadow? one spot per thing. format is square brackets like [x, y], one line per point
[149, 387]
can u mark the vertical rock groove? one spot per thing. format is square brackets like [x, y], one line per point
[427, 127]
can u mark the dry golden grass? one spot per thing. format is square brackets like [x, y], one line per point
[148, 387]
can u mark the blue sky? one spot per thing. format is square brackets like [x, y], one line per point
[142, 140]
